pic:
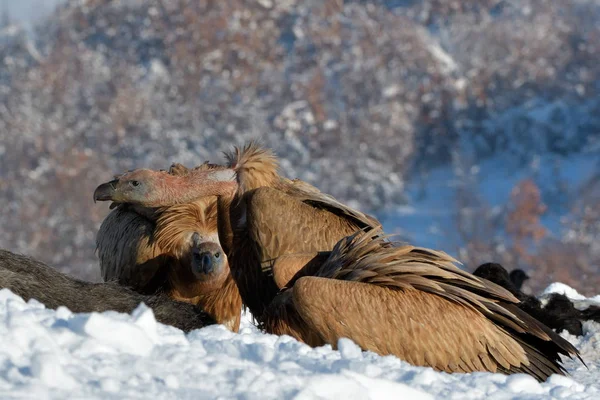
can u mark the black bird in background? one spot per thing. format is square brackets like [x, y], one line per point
[559, 313]
[518, 277]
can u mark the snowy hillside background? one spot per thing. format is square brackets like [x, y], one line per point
[472, 127]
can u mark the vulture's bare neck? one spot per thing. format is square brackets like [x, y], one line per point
[256, 289]
[254, 167]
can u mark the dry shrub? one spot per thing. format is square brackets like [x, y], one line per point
[476, 227]
[569, 263]
[519, 240]
[523, 220]
[575, 259]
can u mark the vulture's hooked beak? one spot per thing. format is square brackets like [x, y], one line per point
[105, 191]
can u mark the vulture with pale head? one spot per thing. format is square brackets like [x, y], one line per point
[313, 268]
[173, 250]
[261, 217]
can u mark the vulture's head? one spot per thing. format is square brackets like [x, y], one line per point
[209, 262]
[517, 277]
[135, 187]
[151, 188]
[496, 273]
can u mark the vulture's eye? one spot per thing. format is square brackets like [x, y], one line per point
[135, 183]
[217, 254]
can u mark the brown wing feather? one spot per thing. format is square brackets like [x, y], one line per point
[281, 318]
[418, 327]
[309, 194]
[283, 201]
[366, 257]
[283, 224]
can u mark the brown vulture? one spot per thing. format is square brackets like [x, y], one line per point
[261, 215]
[280, 236]
[417, 304]
[173, 250]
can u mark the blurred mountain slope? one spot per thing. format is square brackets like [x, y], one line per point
[365, 99]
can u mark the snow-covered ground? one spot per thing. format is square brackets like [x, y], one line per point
[57, 354]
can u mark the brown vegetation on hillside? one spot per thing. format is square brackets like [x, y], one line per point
[355, 97]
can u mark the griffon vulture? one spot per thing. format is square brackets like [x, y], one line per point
[261, 216]
[277, 234]
[173, 249]
[416, 304]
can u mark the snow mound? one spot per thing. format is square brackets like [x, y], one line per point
[58, 354]
[561, 288]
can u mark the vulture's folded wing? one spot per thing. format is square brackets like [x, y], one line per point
[280, 223]
[314, 197]
[366, 257]
[281, 318]
[418, 327]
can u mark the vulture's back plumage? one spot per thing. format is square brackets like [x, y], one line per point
[417, 304]
[271, 216]
[151, 249]
[311, 267]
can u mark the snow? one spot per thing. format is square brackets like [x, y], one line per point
[561, 288]
[52, 354]
[581, 302]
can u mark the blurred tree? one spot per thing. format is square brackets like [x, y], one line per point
[5, 20]
[523, 219]
[357, 97]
